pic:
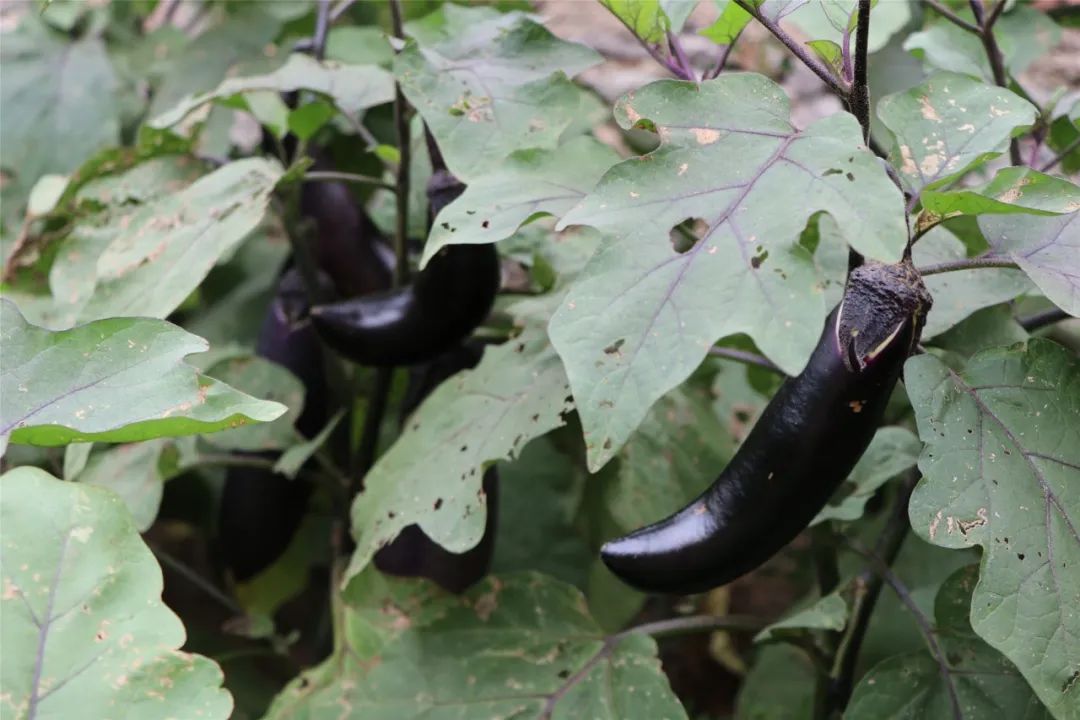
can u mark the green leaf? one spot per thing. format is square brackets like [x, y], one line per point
[644, 18]
[984, 328]
[949, 125]
[136, 472]
[642, 315]
[1023, 35]
[539, 494]
[829, 52]
[1064, 131]
[527, 185]
[116, 380]
[827, 613]
[779, 686]
[1047, 249]
[146, 242]
[59, 99]
[915, 685]
[85, 631]
[728, 25]
[290, 461]
[432, 475]
[359, 45]
[1013, 190]
[487, 86]
[828, 19]
[892, 451]
[958, 294]
[261, 378]
[520, 645]
[1000, 470]
[351, 88]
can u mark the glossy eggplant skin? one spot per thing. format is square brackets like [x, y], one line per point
[412, 553]
[447, 301]
[803, 446]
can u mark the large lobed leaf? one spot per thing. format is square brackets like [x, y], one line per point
[1002, 470]
[916, 685]
[1046, 248]
[488, 84]
[642, 315]
[519, 646]
[949, 125]
[527, 185]
[115, 380]
[432, 475]
[85, 633]
[352, 88]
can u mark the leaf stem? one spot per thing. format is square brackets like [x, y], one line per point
[982, 261]
[745, 357]
[1042, 319]
[196, 579]
[322, 26]
[797, 48]
[1065, 152]
[327, 175]
[860, 88]
[923, 622]
[680, 57]
[722, 62]
[952, 17]
[673, 627]
[993, 54]
[369, 435]
[401, 126]
[867, 589]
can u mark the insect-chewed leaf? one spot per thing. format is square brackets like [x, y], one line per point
[518, 646]
[116, 380]
[85, 630]
[1001, 469]
[643, 313]
[1046, 248]
[432, 475]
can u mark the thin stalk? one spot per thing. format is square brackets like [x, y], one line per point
[982, 261]
[340, 10]
[997, 62]
[1040, 320]
[745, 357]
[797, 48]
[331, 175]
[867, 591]
[860, 87]
[1061, 155]
[690, 624]
[680, 57]
[196, 580]
[722, 62]
[322, 26]
[401, 126]
[373, 419]
[952, 17]
[672, 66]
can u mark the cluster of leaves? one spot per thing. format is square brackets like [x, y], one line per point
[140, 226]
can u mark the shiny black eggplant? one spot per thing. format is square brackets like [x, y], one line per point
[446, 301]
[414, 554]
[801, 449]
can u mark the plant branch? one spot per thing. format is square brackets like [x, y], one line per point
[196, 579]
[923, 622]
[993, 54]
[982, 261]
[369, 435]
[673, 627]
[340, 10]
[1042, 319]
[330, 175]
[867, 590]
[860, 87]
[680, 57]
[401, 126]
[1065, 152]
[655, 53]
[722, 62]
[322, 26]
[797, 48]
[952, 17]
[745, 357]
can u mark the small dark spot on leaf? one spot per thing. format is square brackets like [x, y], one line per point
[438, 503]
[564, 674]
[520, 348]
[760, 258]
[535, 417]
[470, 212]
[831, 171]
[445, 225]
[485, 224]
[614, 347]
[391, 514]
[1020, 556]
[464, 448]
[850, 177]
[607, 444]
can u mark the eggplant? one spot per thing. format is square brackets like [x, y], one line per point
[802, 448]
[411, 324]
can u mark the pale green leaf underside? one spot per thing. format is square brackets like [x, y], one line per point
[116, 380]
[85, 631]
[1001, 469]
[1046, 248]
[432, 475]
[642, 316]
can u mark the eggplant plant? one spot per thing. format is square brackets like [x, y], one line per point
[620, 360]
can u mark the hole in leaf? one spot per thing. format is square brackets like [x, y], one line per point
[686, 234]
